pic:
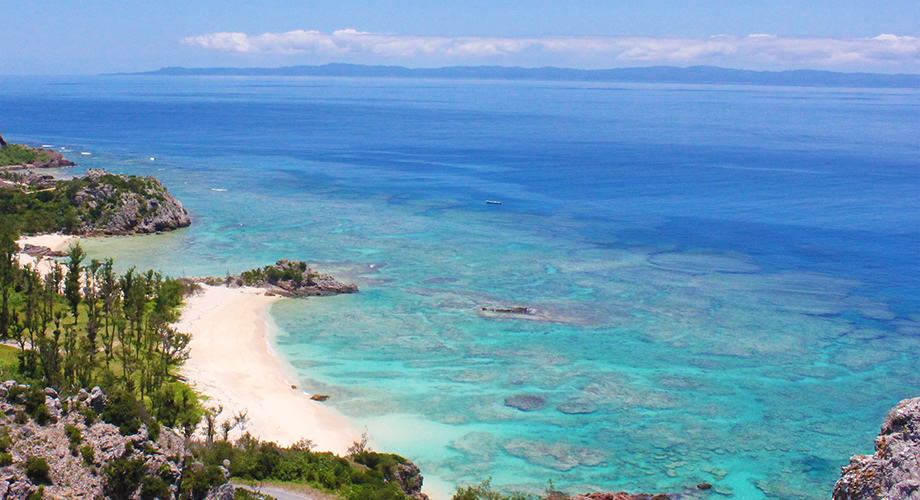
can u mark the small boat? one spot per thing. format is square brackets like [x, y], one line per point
[493, 202]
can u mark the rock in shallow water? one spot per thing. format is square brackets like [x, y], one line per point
[526, 402]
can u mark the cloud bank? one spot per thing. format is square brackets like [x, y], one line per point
[755, 47]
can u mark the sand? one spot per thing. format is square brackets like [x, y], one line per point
[231, 362]
[57, 242]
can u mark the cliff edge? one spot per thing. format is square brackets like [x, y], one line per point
[893, 472]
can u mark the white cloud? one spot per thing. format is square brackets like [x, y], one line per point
[754, 47]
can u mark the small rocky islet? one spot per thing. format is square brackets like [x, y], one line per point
[285, 278]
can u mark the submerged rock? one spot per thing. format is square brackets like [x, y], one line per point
[893, 472]
[526, 402]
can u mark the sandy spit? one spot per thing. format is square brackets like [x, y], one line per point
[231, 363]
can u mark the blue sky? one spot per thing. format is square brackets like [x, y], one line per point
[96, 36]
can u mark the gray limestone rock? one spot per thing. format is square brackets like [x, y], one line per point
[127, 205]
[893, 472]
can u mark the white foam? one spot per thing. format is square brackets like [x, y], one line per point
[218, 189]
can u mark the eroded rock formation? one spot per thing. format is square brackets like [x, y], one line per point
[115, 204]
[893, 472]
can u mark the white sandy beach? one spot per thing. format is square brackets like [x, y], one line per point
[57, 242]
[231, 363]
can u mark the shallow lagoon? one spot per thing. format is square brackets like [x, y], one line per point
[724, 276]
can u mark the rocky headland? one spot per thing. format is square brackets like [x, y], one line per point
[17, 156]
[285, 278]
[893, 471]
[98, 204]
[115, 204]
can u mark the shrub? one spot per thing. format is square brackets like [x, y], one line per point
[88, 454]
[244, 494]
[6, 459]
[483, 491]
[73, 435]
[153, 430]
[37, 494]
[89, 416]
[14, 393]
[41, 414]
[197, 479]
[122, 477]
[122, 410]
[5, 439]
[34, 399]
[154, 487]
[37, 470]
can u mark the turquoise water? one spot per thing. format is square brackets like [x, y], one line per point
[724, 278]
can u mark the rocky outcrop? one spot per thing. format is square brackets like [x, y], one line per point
[41, 158]
[408, 476]
[2, 142]
[893, 472]
[115, 204]
[287, 278]
[77, 447]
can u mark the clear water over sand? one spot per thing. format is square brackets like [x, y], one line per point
[723, 278]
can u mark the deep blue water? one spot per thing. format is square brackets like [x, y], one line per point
[726, 275]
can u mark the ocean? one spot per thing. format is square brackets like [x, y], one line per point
[722, 280]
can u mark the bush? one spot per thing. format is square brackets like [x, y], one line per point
[37, 494]
[5, 439]
[73, 435]
[89, 416]
[122, 410]
[88, 454]
[6, 459]
[483, 491]
[154, 487]
[197, 479]
[37, 470]
[153, 430]
[244, 494]
[122, 477]
[41, 414]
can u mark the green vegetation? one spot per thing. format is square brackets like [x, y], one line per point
[367, 475]
[37, 470]
[15, 154]
[288, 271]
[88, 454]
[91, 199]
[244, 494]
[83, 325]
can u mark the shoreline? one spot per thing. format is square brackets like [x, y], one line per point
[56, 242]
[232, 363]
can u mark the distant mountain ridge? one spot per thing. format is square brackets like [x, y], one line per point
[653, 74]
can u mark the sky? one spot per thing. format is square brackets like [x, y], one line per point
[104, 36]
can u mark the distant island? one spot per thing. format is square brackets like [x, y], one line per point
[653, 74]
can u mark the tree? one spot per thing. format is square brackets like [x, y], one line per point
[9, 267]
[72, 285]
